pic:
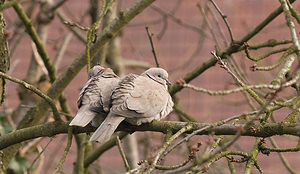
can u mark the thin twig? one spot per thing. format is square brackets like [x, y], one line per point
[118, 142]
[36, 91]
[159, 167]
[259, 86]
[36, 39]
[77, 25]
[100, 150]
[57, 4]
[225, 154]
[282, 158]
[67, 149]
[165, 19]
[205, 128]
[242, 84]
[210, 28]
[291, 25]
[39, 155]
[256, 59]
[64, 20]
[152, 46]
[62, 50]
[224, 17]
[266, 150]
[179, 21]
[165, 146]
[91, 36]
[186, 116]
[218, 26]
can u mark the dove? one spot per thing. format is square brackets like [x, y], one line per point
[95, 96]
[137, 99]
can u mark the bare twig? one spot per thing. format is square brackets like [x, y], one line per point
[224, 17]
[118, 142]
[250, 91]
[91, 36]
[291, 25]
[57, 4]
[62, 50]
[179, 21]
[64, 20]
[226, 154]
[152, 46]
[165, 146]
[100, 150]
[282, 158]
[209, 25]
[31, 166]
[37, 91]
[67, 149]
[259, 86]
[256, 59]
[205, 128]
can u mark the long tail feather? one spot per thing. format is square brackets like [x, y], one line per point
[83, 117]
[107, 128]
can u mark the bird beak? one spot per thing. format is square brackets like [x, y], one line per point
[168, 82]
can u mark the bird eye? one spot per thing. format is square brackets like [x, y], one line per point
[159, 75]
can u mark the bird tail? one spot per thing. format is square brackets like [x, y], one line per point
[83, 117]
[107, 128]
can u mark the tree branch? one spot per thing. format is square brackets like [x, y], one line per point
[58, 127]
[36, 91]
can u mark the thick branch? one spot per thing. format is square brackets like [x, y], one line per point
[5, 57]
[54, 128]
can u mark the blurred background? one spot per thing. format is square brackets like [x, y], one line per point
[183, 41]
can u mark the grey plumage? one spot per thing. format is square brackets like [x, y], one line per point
[95, 96]
[138, 99]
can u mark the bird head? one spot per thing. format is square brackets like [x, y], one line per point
[157, 74]
[94, 71]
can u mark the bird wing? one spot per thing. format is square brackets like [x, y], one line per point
[139, 97]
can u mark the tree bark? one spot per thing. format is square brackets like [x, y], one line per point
[4, 54]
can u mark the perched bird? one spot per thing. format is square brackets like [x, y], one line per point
[95, 96]
[138, 99]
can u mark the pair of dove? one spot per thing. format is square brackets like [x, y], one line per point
[135, 98]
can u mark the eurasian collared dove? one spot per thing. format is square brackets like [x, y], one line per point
[95, 96]
[138, 99]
